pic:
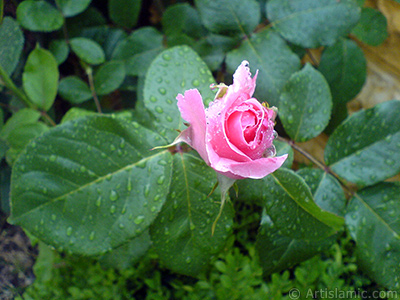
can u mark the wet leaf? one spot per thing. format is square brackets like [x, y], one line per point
[64, 196]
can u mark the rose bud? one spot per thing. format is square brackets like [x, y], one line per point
[234, 134]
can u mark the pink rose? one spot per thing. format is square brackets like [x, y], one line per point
[234, 134]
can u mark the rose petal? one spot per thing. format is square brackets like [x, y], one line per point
[255, 169]
[192, 110]
[242, 80]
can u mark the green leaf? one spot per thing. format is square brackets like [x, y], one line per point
[364, 149]
[268, 53]
[60, 50]
[109, 77]
[372, 27]
[3, 149]
[107, 37]
[1, 119]
[326, 190]
[20, 136]
[71, 8]
[284, 148]
[339, 114]
[305, 104]
[373, 222]
[182, 18]
[182, 232]
[20, 118]
[128, 254]
[278, 252]
[290, 205]
[310, 23]
[361, 3]
[39, 16]
[139, 49]
[76, 113]
[89, 18]
[212, 56]
[124, 12]
[229, 17]
[87, 50]
[11, 44]
[40, 78]
[345, 68]
[225, 43]
[172, 72]
[74, 90]
[91, 185]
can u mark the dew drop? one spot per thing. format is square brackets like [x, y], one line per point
[196, 82]
[91, 236]
[161, 179]
[162, 162]
[290, 119]
[52, 158]
[139, 219]
[159, 109]
[166, 56]
[69, 231]
[146, 190]
[153, 99]
[389, 162]
[98, 201]
[162, 91]
[112, 147]
[188, 260]
[112, 209]
[141, 164]
[129, 185]
[113, 195]
[156, 198]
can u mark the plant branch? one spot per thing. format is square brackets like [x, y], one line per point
[319, 164]
[46, 117]
[21, 95]
[89, 72]
[14, 89]
[64, 27]
[311, 56]
[305, 154]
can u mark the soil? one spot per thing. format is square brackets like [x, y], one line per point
[17, 257]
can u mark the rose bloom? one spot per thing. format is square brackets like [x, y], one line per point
[234, 134]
